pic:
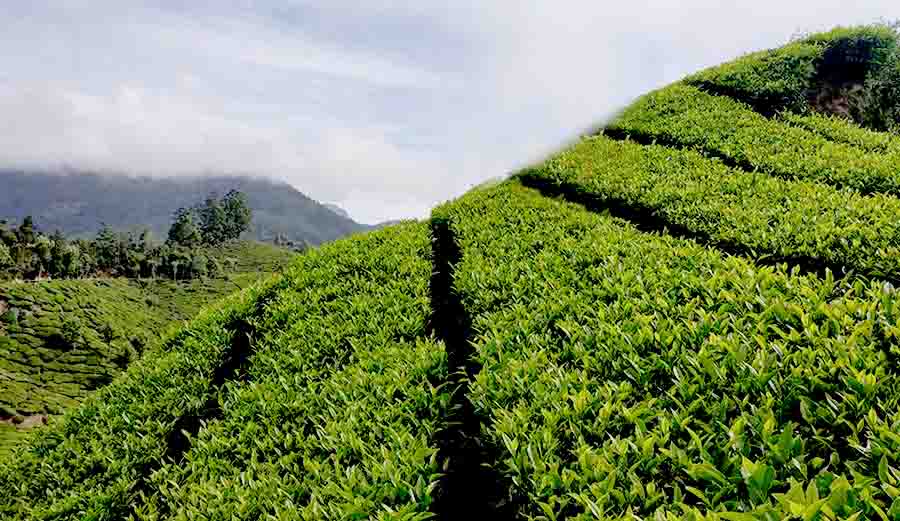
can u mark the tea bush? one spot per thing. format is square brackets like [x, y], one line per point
[630, 375]
[684, 116]
[752, 213]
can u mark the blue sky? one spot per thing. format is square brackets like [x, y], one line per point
[384, 108]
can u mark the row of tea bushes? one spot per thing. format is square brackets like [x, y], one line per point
[841, 130]
[629, 374]
[785, 78]
[685, 116]
[752, 213]
[344, 398]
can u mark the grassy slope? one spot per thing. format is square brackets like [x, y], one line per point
[253, 256]
[41, 373]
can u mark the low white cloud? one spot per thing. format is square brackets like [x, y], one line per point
[385, 108]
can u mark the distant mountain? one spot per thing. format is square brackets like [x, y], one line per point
[77, 203]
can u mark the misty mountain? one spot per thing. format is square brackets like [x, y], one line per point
[77, 204]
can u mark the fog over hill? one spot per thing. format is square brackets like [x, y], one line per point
[77, 204]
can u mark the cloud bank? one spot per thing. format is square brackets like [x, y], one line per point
[380, 107]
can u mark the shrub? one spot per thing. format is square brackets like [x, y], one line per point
[10, 318]
[71, 330]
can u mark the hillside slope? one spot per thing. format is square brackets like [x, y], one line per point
[77, 203]
[665, 321]
[61, 340]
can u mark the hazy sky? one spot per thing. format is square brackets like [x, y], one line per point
[384, 108]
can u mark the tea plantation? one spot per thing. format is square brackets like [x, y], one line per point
[60, 340]
[690, 314]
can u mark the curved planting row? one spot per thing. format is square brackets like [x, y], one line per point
[777, 78]
[343, 403]
[682, 115]
[328, 411]
[748, 213]
[628, 374]
[840, 130]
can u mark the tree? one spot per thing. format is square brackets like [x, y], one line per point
[43, 252]
[6, 260]
[145, 243]
[70, 263]
[179, 260]
[108, 333]
[882, 104]
[58, 246]
[25, 233]
[134, 260]
[106, 248]
[175, 263]
[7, 236]
[237, 214]
[213, 225]
[87, 263]
[184, 232]
[151, 264]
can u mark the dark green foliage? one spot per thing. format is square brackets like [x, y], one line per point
[882, 108]
[223, 220]
[108, 333]
[213, 223]
[854, 52]
[184, 232]
[9, 318]
[25, 232]
[190, 252]
[238, 214]
[846, 71]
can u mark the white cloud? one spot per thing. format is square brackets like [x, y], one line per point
[383, 107]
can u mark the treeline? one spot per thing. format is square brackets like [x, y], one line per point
[195, 233]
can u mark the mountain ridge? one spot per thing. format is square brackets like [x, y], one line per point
[78, 203]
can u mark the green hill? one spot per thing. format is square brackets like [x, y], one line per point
[76, 203]
[689, 315]
[61, 340]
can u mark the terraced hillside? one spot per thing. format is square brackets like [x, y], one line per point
[61, 340]
[689, 315]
